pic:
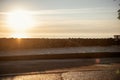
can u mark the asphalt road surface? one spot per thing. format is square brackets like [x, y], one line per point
[69, 69]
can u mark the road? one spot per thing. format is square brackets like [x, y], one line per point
[67, 69]
[7, 67]
[103, 68]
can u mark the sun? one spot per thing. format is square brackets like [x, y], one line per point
[20, 20]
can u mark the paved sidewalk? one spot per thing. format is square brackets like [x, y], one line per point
[77, 75]
[95, 72]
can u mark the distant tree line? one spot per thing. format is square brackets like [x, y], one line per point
[14, 44]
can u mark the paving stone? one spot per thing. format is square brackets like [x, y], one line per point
[91, 75]
[34, 77]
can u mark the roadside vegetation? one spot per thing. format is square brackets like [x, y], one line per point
[30, 43]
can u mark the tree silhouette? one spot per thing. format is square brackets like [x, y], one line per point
[119, 14]
[119, 9]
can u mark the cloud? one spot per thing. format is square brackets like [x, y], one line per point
[3, 13]
[74, 11]
[70, 11]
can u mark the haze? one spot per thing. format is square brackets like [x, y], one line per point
[63, 18]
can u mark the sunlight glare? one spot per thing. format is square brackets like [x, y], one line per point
[20, 20]
[19, 35]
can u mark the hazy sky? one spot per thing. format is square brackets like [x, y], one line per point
[65, 18]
